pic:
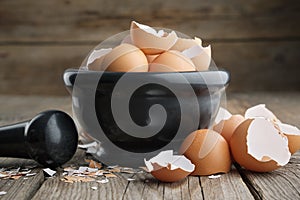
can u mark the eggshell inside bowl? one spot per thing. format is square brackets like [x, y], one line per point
[124, 58]
[171, 61]
[149, 40]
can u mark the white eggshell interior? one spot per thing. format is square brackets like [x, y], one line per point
[166, 158]
[264, 142]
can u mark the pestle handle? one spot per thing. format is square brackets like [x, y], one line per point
[11, 140]
[50, 138]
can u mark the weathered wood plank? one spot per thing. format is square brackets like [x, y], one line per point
[228, 186]
[55, 10]
[92, 30]
[279, 184]
[60, 190]
[260, 66]
[23, 188]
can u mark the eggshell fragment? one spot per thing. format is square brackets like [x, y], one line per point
[192, 48]
[222, 114]
[258, 146]
[227, 127]
[171, 61]
[124, 58]
[95, 59]
[293, 135]
[260, 111]
[208, 150]
[167, 167]
[291, 132]
[149, 40]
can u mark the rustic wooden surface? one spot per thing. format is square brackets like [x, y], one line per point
[283, 183]
[257, 41]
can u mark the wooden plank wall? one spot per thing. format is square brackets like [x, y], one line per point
[258, 41]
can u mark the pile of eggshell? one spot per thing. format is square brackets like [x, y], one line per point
[257, 141]
[148, 50]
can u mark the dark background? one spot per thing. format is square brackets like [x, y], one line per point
[257, 41]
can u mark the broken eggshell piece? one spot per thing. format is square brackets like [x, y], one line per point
[227, 127]
[208, 151]
[260, 110]
[193, 49]
[293, 135]
[171, 61]
[151, 41]
[125, 57]
[291, 132]
[95, 59]
[258, 146]
[167, 167]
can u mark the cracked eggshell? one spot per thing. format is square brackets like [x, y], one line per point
[171, 61]
[192, 48]
[260, 110]
[96, 58]
[293, 135]
[167, 167]
[125, 57]
[258, 146]
[208, 151]
[227, 127]
[149, 40]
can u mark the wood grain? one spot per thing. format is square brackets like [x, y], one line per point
[279, 184]
[228, 186]
[21, 188]
[253, 66]
[257, 41]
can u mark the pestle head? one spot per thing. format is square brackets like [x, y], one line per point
[51, 138]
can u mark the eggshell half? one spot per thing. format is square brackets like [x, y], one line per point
[149, 40]
[96, 58]
[171, 61]
[124, 58]
[208, 151]
[167, 167]
[227, 127]
[201, 56]
[293, 135]
[257, 146]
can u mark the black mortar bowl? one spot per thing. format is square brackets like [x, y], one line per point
[136, 115]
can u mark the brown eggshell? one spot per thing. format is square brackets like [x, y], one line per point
[171, 61]
[294, 143]
[227, 127]
[150, 58]
[165, 174]
[149, 43]
[97, 64]
[238, 146]
[203, 59]
[208, 151]
[124, 58]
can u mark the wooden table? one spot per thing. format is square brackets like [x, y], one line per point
[283, 183]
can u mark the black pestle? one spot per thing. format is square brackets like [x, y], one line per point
[50, 138]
